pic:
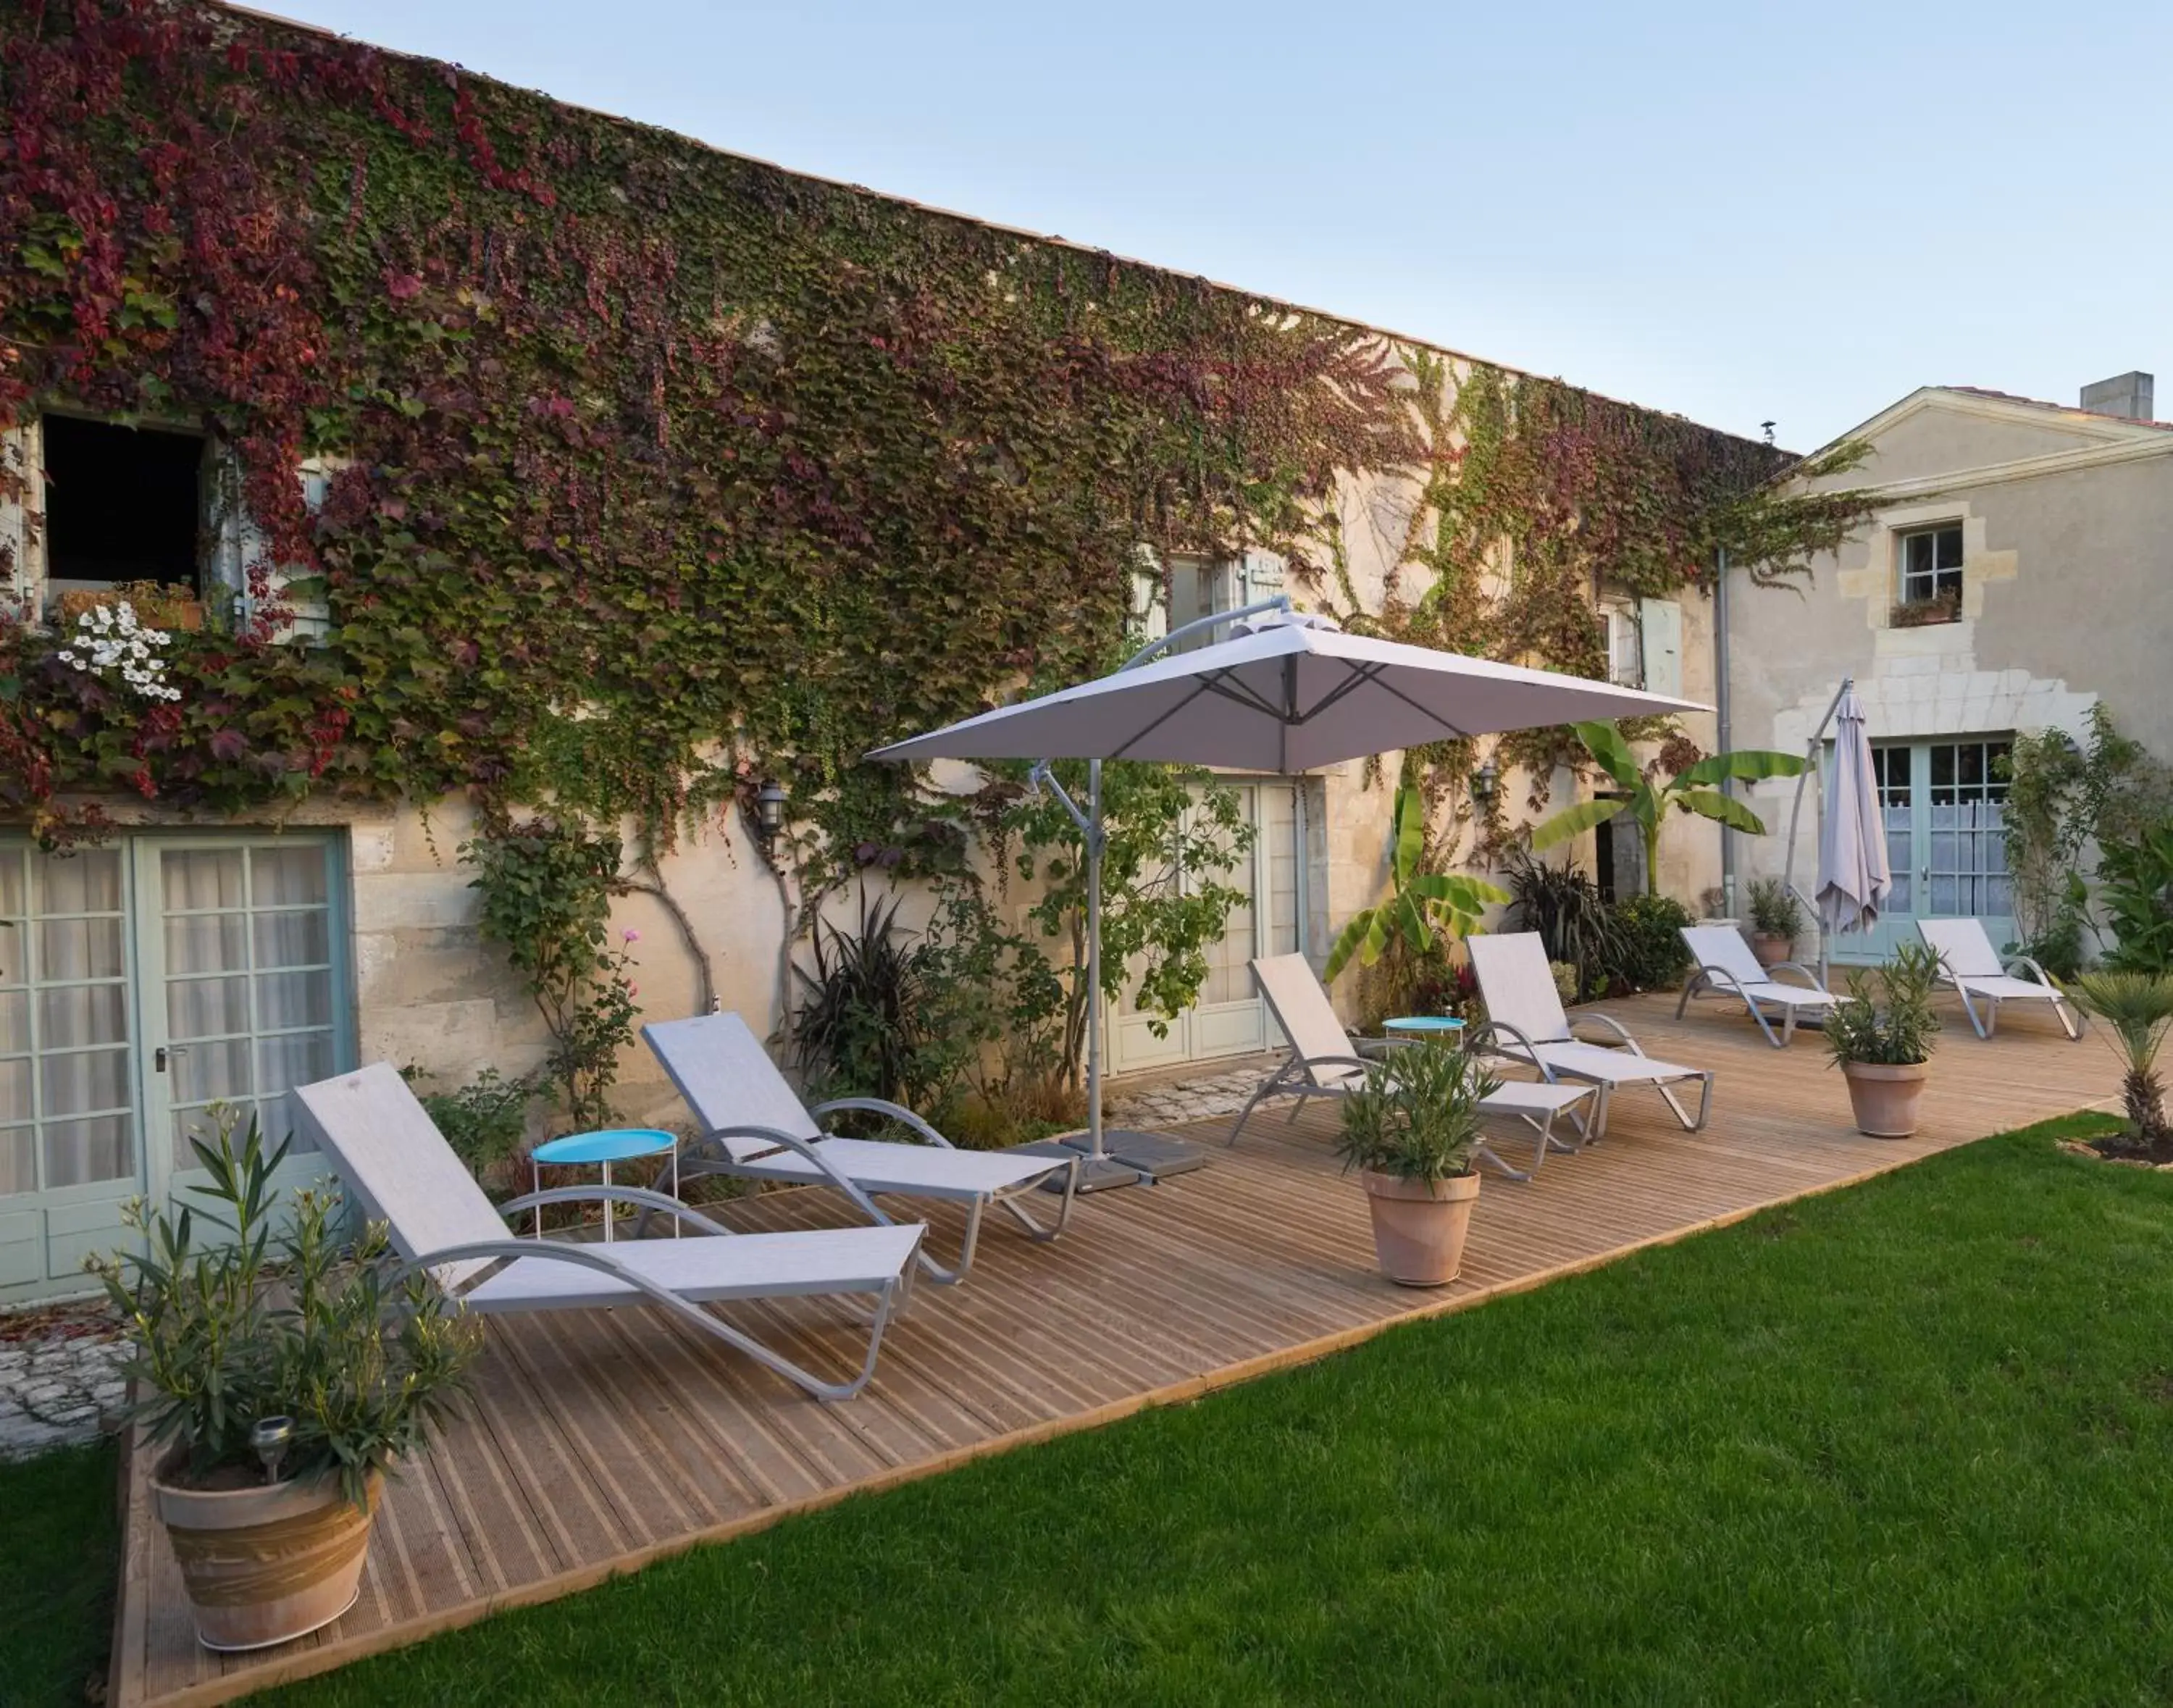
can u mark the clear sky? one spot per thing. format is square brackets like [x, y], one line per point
[1736, 209]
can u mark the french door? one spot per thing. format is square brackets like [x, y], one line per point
[1230, 1018]
[1943, 804]
[141, 982]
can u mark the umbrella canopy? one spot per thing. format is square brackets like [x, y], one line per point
[1854, 877]
[1290, 693]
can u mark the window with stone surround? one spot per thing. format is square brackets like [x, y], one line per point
[1930, 564]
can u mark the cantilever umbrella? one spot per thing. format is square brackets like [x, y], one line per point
[1854, 877]
[1289, 692]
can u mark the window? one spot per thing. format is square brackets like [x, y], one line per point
[1626, 662]
[1932, 566]
[122, 504]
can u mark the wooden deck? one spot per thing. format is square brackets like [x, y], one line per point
[599, 1441]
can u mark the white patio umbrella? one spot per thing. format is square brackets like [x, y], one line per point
[1287, 693]
[1854, 878]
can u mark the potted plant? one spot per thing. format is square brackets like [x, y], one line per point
[278, 1379]
[1777, 920]
[1410, 1128]
[1881, 1051]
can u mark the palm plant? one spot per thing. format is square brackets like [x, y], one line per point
[2137, 1009]
[1421, 906]
[1645, 799]
[1575, 925]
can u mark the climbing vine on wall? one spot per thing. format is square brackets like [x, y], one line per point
[656, 468]
[1536, 499]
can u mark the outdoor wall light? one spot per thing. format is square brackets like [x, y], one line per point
[1483, 782]
[769, 810]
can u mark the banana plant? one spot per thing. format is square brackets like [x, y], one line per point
[1646, 801]
[1422, 907]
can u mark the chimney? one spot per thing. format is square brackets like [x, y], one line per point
[2125, 394]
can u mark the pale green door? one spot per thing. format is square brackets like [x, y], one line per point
[71, 1128]
[1944, 805]
[246, 976]
[139, 981]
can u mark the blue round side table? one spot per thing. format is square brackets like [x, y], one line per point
[1414, 1027]
[610, 1145]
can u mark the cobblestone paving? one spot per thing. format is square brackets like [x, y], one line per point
[1187, 1100]
[60, 1376]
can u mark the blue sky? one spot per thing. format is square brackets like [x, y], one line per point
[1739, 211]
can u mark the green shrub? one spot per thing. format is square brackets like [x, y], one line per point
[1898, 1035]
[1775, 912]
[1649, 954]
[1416, 1115]
[2135, 878]
[485, 1120]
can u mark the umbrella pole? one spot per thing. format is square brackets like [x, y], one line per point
[1796, 813]
[1095, 838]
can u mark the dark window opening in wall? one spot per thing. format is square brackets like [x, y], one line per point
[122, 504]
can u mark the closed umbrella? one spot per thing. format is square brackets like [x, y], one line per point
[1286, 693]
[1854, 878]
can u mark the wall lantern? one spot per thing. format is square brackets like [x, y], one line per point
[769, 810]
[1483, 782]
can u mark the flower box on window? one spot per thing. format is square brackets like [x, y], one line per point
[1916, 613]
[158, 605]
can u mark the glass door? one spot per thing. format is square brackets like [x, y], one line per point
[247, 982]
[1944, 805]
[70, 1156]
[1229, 1018]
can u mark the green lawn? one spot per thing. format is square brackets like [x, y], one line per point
[57, 1560]
[1912, 1443]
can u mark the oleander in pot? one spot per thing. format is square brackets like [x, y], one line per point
[1882, 1043]
[279, 1375]
[1410, 1129]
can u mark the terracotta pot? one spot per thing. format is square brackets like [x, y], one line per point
[268, 1565]
[1884, 1095]
[1772, 951]
[1419, 1226]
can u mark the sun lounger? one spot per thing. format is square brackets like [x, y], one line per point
[1526, 1022]
[1326, 1062]
[1726, 966]
[754, 1127]
[396, 1165]
[1973, 968]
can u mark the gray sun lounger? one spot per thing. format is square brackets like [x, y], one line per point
[1525, 1016]
[754, 1127]
[1325, 1061]
[1726, 967]
[1973, 968]
[395, 1164]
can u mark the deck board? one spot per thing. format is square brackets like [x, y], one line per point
[597, 1441]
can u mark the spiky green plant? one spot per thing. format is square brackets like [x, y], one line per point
[2137, 1010]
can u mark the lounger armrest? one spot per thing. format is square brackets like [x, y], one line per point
[2036, 972]
[881, 1105]
[1614, 1025]
[1483, 1036]
[813, 1153]
[1363, 1064]
[617, 1194]
[1810, 978]
[546, 1251]
[1716, 978]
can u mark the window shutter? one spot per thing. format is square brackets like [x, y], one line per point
[22, 572]
[1260, 575]
[237, 541]
[1150, 599]
[1660, 626]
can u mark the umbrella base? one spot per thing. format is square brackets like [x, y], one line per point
[1095, 1176]
[1156, 1155]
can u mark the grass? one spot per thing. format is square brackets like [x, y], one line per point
[1912, 1442]
[58, 1555]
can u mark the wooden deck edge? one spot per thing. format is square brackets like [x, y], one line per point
[329, 1657]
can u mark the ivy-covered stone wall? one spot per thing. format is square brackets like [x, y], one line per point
[655, 470]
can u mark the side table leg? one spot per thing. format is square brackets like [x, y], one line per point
[608, 1206]
[535, 1172]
